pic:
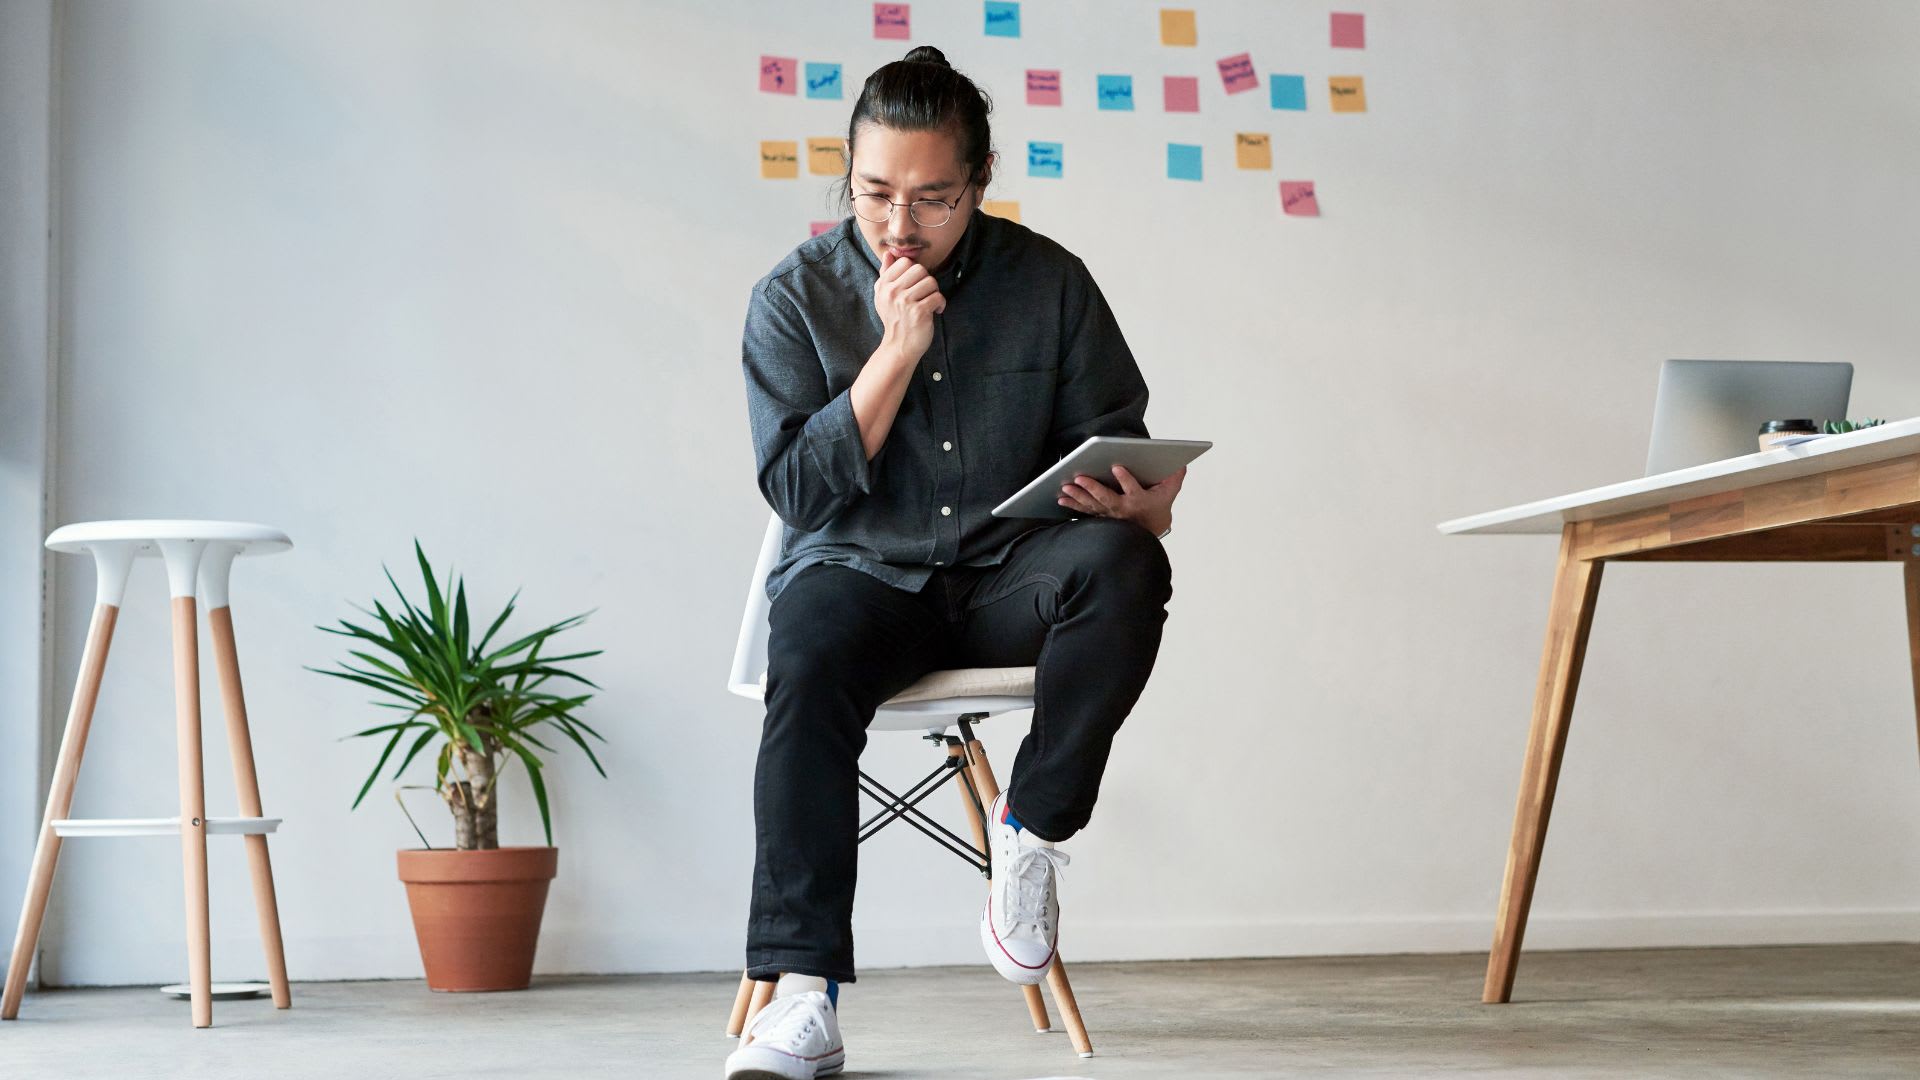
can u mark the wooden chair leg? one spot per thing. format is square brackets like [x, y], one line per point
[1036, 1001]
[246, 784]
[1913, 626]
[1576, 588]
[983, 779]
[46, 853]
[737, 1021]
[193, 807]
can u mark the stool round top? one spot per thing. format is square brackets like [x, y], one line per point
[250, 538]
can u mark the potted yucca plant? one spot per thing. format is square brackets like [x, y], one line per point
[476, 906]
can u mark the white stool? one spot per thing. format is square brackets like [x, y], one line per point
[197, 553]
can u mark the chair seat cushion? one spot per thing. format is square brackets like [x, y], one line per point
[962, 683]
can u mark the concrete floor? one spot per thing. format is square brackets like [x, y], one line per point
[1812, 1011]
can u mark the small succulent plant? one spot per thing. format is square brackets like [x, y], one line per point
[1841, 427]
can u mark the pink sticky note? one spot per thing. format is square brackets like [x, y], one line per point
[819, 227]
[1296, 198]
[1183, 94]
[1349, 30]
[777, 74]
[1237, 73]
[1043, 87]
[890, 21]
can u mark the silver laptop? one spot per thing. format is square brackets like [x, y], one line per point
[1708, 410]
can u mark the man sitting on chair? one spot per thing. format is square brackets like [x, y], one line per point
[905, 372]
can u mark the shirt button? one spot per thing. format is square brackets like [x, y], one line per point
[946, 511]
[936, 376]
[946, 446]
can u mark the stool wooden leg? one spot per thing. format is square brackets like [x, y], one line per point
[1036, 1001]
[246, 784]
[982, 772]
[193, 807]
[737, 1022]
[1576, 588]
[762, 993]
[46, 853]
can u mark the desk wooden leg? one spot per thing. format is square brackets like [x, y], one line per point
[1913, 627]
[1576, 586]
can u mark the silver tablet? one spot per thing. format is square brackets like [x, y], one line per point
[1149, 460]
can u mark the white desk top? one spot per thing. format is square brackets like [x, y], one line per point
[1898, 438]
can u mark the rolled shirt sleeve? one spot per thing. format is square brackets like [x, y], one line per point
[1101, 391]
[806, 442]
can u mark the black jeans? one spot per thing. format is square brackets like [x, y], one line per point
[1082, 601]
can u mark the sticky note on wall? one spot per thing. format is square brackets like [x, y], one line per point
[778, 74]
[892, 21]
[1044, 159]
[1177, 27]
[1003, 19]
[1297, 198]
[1001, 208]
[1183, 162]
[1183, 93]
[817, 227]
[823, 157]
[779, 161]
[1043, 87]
[1287, 91]
[1349, 30]
[1116, 92]
[1236, 72]
[823, 81]
[1252, 150]
[1348, 93]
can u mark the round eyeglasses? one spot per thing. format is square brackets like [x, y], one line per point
[927, 213]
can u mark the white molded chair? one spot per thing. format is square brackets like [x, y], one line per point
[198, 556]
[933, 705]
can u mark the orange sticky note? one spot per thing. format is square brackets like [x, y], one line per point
[1253, 150]
[779, 161]
[1348, 93]
[1177, 27]
[1003, 208]
[823, 157]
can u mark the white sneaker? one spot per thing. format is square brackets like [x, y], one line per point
[796, 1037]
[1020, 923]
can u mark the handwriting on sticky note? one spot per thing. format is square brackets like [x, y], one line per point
[824, 157]
[1349, 30]
[1253, 151]
[1297, 198]
[1287, 91]
[1177, 27]
[892, 21]
[1348, 93]
[1116, 92]
[823, 81]
[1001, 208]
[1003, 19]
[1236, 72]
[1044, 159]
[1183, 161]
[777, 74]
[779, 160]
[1183, 93]
[1043, 87]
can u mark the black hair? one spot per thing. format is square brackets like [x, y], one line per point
[922, 92]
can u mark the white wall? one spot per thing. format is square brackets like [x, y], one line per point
[476, 273]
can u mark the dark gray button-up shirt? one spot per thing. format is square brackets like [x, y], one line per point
[1026, 363]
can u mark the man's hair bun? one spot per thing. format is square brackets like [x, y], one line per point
[927, 54]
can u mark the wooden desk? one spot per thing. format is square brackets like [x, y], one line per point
[1845, 498]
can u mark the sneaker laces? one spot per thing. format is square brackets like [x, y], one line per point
[1027, 877]
[785, 1022]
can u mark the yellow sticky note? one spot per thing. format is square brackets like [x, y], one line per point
[1253, 151]
[1176, 27]
[1006, 208]
[823, 157]
[779, 161]
[1348, 93]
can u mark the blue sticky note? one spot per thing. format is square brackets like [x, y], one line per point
[1289, 91]
[1003, 19]
[1183, 162]
[1116, 92]
[823, 81]
[1044, 159]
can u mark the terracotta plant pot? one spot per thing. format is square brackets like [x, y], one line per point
[477, 913]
